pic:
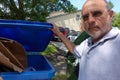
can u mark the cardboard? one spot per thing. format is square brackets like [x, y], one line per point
[12, 55]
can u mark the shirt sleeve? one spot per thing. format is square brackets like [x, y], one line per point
[78, 50]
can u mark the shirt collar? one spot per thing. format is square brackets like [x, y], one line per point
[111, 34]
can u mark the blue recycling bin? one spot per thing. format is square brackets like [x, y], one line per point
[34, 36]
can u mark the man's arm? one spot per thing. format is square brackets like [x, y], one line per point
[69, 45]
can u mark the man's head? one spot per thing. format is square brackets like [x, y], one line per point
[97, 18]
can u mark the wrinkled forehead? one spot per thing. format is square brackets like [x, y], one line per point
[94, 5]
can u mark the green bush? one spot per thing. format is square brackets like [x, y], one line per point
[60, 77]
[49, 50]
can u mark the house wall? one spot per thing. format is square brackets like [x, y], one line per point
[71, 21]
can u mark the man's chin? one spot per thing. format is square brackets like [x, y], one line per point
[95, 35]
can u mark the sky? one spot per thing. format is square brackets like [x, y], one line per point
[78, 4]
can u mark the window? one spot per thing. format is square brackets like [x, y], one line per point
[77, 17]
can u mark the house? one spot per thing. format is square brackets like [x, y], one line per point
[66, 20]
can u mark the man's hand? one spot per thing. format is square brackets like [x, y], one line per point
[1, 78]
[69, 45]
[55, 29]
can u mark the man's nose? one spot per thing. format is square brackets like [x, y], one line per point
[91, 19]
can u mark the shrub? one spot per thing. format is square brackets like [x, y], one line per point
[49, 50]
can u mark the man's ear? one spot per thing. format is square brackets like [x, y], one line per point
[111, 14]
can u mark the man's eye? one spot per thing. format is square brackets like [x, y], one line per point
[97, 13]
[85, 17]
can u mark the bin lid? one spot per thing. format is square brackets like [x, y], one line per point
[34, 36]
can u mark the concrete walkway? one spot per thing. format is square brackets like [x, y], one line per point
[58, 60]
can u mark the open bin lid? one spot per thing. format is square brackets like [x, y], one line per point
[34, 36]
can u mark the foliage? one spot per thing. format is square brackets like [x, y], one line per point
[116, 20]
[110, 5]
[60, 77]
[35, 10]
[49, 50]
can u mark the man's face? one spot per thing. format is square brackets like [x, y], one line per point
[96, 18]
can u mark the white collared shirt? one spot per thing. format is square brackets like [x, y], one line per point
[100, 61]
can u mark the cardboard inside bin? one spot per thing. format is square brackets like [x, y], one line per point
[43, 70]
[34, 36]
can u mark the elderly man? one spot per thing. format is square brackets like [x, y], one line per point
[100, 53]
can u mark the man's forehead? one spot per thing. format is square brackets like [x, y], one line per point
[93, 4]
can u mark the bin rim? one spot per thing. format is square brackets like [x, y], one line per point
[32, 28]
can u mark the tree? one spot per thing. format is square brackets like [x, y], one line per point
[116, 20]
[110, 5]
[36, 10]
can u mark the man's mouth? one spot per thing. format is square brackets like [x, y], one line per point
[93, 28]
